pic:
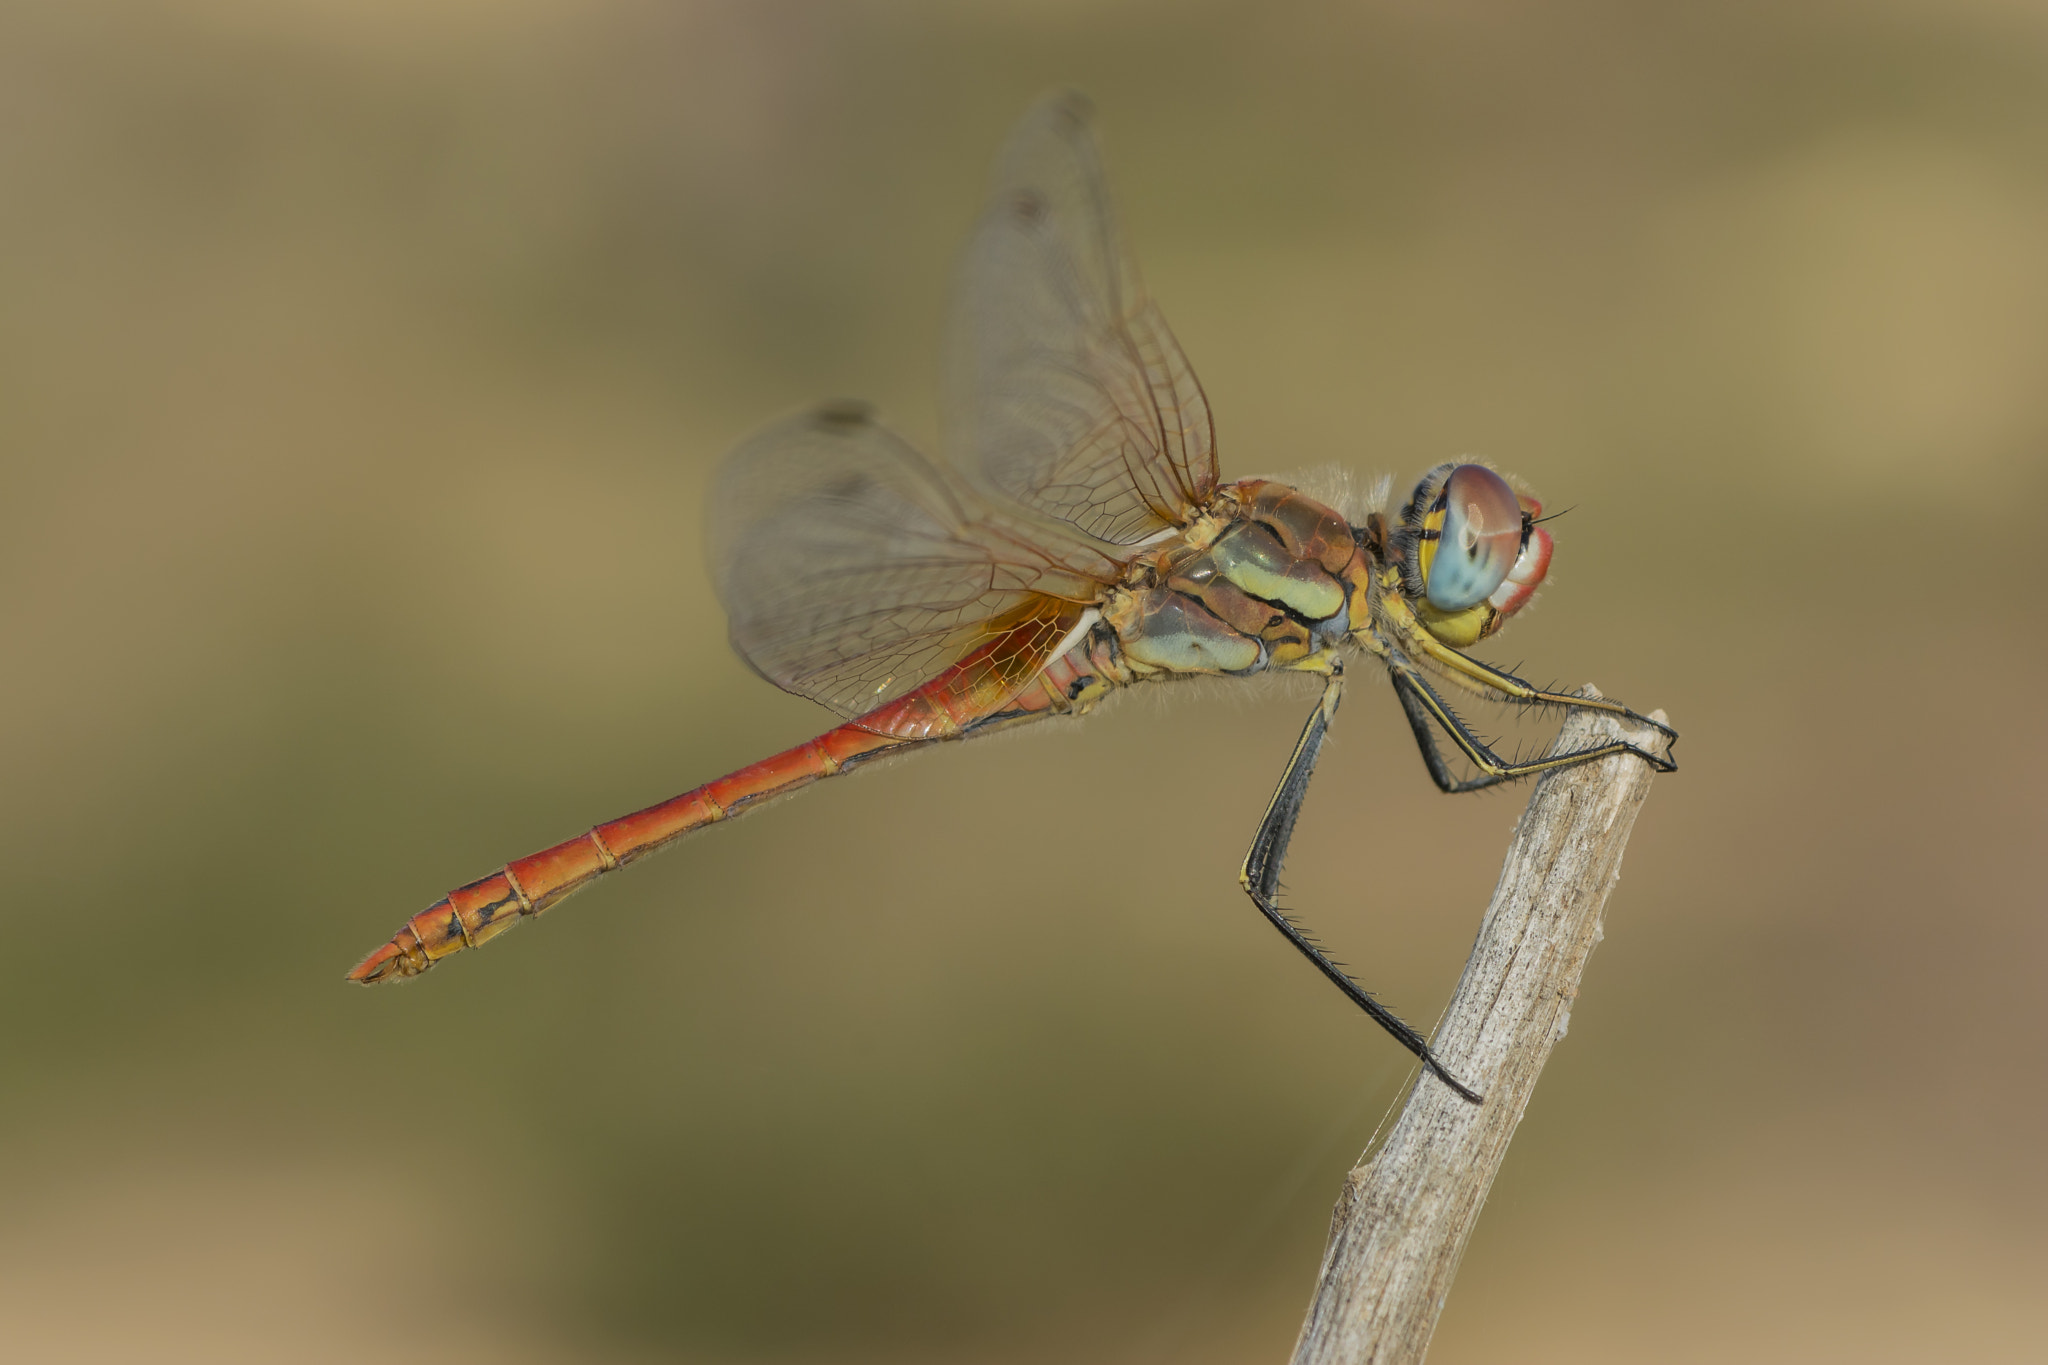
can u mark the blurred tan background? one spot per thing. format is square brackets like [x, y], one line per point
[361, 367]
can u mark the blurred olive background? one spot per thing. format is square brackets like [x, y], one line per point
[361, 367]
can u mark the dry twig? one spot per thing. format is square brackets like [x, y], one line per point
[1407, 1209]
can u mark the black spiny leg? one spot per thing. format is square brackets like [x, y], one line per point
[1260, 877]
[1422, 704]
[1420, 719]
[1485, 677]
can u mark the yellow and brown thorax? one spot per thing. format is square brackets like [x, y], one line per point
[1264, 579]
[1270, 578]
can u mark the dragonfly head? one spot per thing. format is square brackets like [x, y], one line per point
[1470, 552]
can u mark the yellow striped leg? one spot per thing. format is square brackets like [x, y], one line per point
[1422, 704]
[1485, 678]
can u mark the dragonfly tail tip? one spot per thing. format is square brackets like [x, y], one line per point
[389, 963]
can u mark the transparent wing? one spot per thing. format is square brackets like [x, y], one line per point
[853, 571]
[1067, 391]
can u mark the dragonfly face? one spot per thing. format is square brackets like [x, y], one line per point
[1470, 552]
[1078, 540]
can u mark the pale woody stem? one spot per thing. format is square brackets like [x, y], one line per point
[1406, 1210]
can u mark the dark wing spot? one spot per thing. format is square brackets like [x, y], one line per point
[844, 412]
[1029, 206]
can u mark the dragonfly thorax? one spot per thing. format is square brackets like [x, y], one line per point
[1265, 580]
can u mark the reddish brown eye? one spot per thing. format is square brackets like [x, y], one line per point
[1480, 536]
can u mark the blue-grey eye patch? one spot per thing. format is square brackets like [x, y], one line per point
[1478, 526]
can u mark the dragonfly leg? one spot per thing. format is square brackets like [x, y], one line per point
[1421, 720]
[1260, 877]
[1481, 677]
[1423, 705]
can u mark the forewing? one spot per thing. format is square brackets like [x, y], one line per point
[853, 571]
[1067, 391]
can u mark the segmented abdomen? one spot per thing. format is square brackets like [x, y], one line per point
[997, 683]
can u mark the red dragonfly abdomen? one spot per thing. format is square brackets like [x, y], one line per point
[974, 695]
[473, 914]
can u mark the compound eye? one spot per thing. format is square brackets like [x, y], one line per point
[1479, 537]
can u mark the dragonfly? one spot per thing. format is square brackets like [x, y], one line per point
[1079, 541]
